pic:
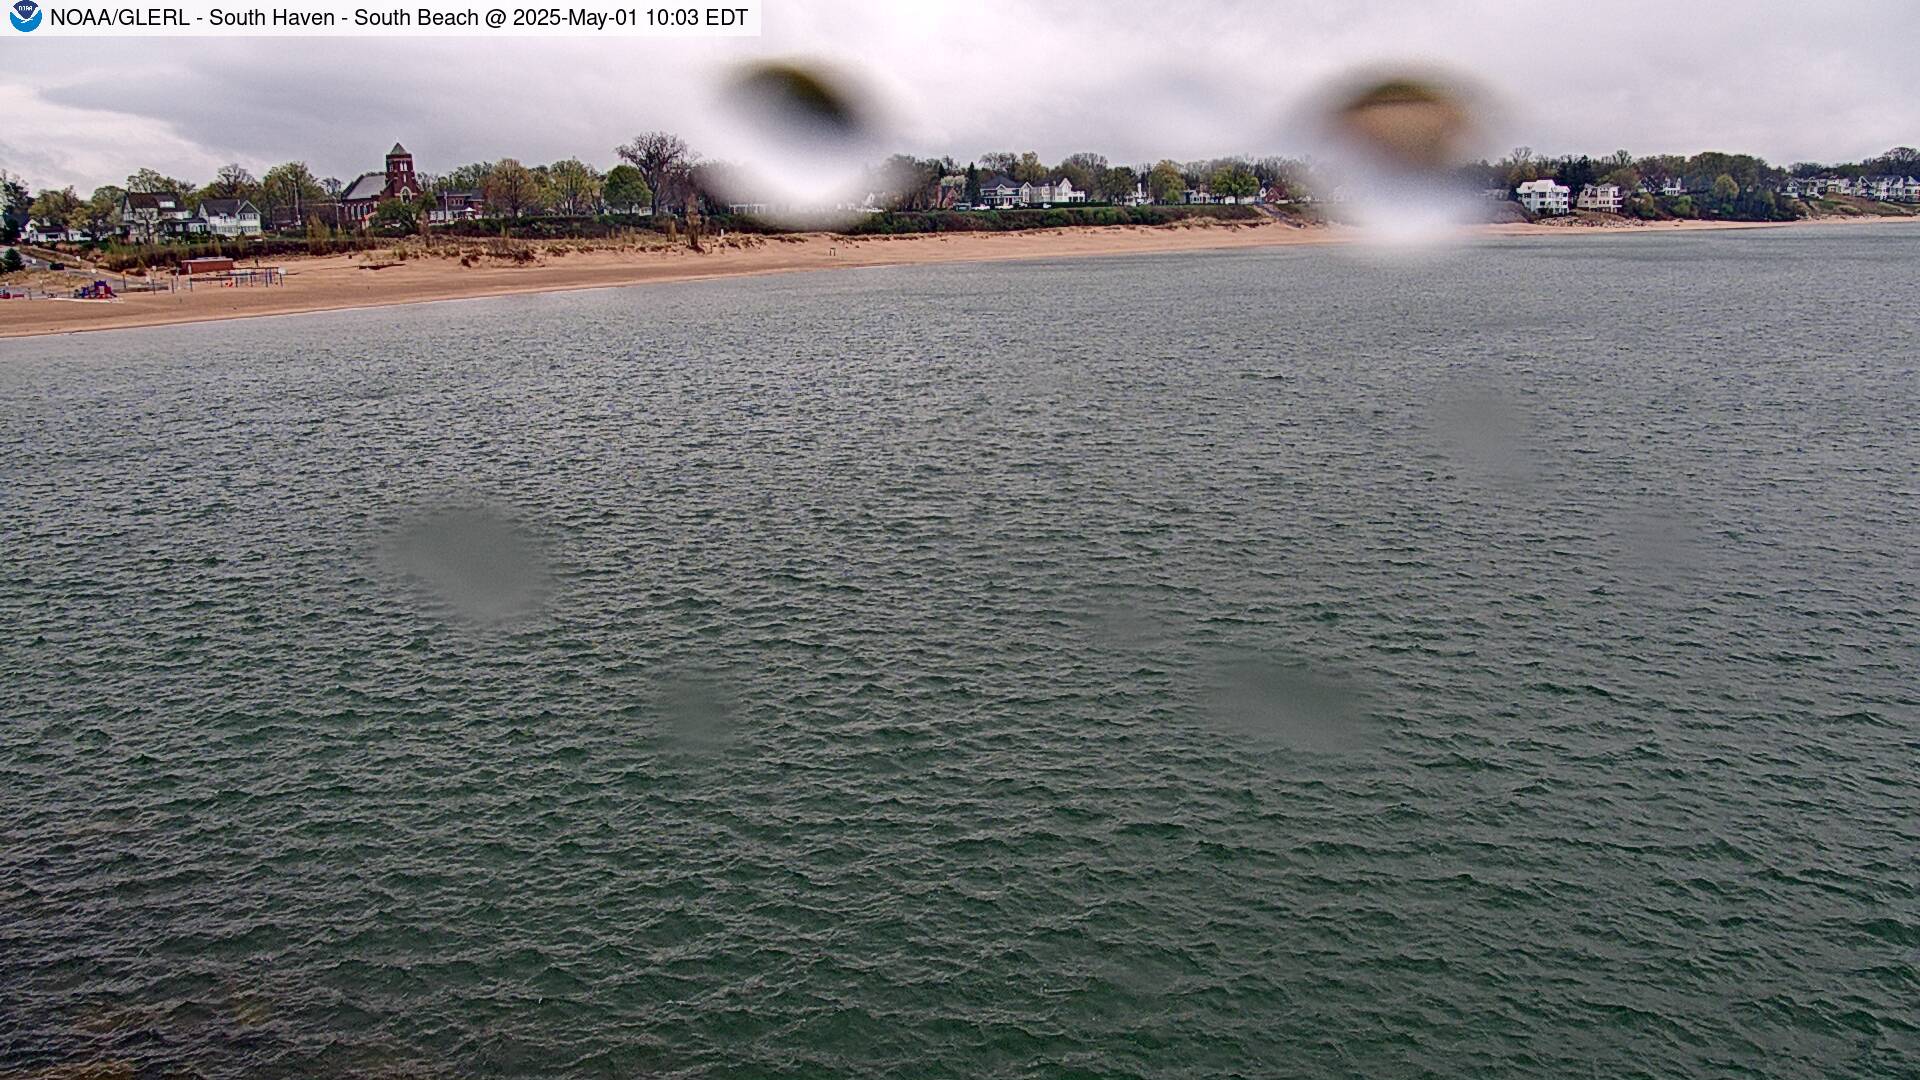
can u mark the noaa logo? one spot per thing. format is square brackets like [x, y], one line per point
[25, 15]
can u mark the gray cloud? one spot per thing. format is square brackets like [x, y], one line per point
[1133, 80]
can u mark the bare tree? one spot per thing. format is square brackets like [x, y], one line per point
[658, 155]
[233, 182]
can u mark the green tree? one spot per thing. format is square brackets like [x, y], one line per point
[151, 182]
[1117, 183]
[61, 208]
[287, 190]
[511, 189]
[464, 178]
[576, 186]
[625, 190]
[1234, 181]
[14, 200]
[1725, 191]
[11, 262]
[1576, 173]
[100, 214]
[1166, 183]
[972, 195]
[395, 217]
[1084, 170]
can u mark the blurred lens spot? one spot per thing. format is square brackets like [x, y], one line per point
[695, 714]
[1483, 431]
[794, 102]
[1123, 627]
[1289, 705]
[798, 142]
[1658, 545]
[481, 564]
[1391, 146]
[1405, 125]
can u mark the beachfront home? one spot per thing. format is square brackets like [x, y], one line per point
[52, 232]
[1543, 196]
[368, 190]
[230, 217]
[1602, 197]
[998, 191]
[149, 215]
[1048, 192]
[1888, 188]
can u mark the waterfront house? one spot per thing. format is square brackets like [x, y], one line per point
[1049, 192]
[1888, 188]
[1602, 197]
[998, 192]
[230, 217]
[51, 232]
[1543, 196]
[149, 215]
[368, 190]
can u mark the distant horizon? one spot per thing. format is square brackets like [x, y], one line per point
[1135, 85]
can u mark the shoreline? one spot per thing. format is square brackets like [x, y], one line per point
[347, 282]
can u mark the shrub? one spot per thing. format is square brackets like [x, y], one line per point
[120, 257]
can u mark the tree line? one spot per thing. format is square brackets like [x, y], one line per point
[658, 169]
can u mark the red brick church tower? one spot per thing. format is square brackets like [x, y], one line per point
[400, 181]
[369, 190]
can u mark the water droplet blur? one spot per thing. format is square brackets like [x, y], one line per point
[1289, 704]
[482, 564]
[1659, 545]
[1388, 149]
[1483, 430]
[695, 714]
[796, 142]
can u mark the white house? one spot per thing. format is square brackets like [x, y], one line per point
[47, 232]
[1888, 188]
[148, 215]
[1604, 197]
[231, 217]
[998, 191]
[1543, 196]
[1047, 193]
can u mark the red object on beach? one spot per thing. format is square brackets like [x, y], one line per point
[206, 265]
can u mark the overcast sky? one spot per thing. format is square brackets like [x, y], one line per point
[1136, 82]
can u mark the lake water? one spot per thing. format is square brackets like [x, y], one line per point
[1264, 664]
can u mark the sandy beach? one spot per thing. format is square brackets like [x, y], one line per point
[374, 279]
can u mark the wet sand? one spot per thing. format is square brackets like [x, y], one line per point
[350, 281]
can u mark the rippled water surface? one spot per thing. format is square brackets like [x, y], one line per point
[1263, 664]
